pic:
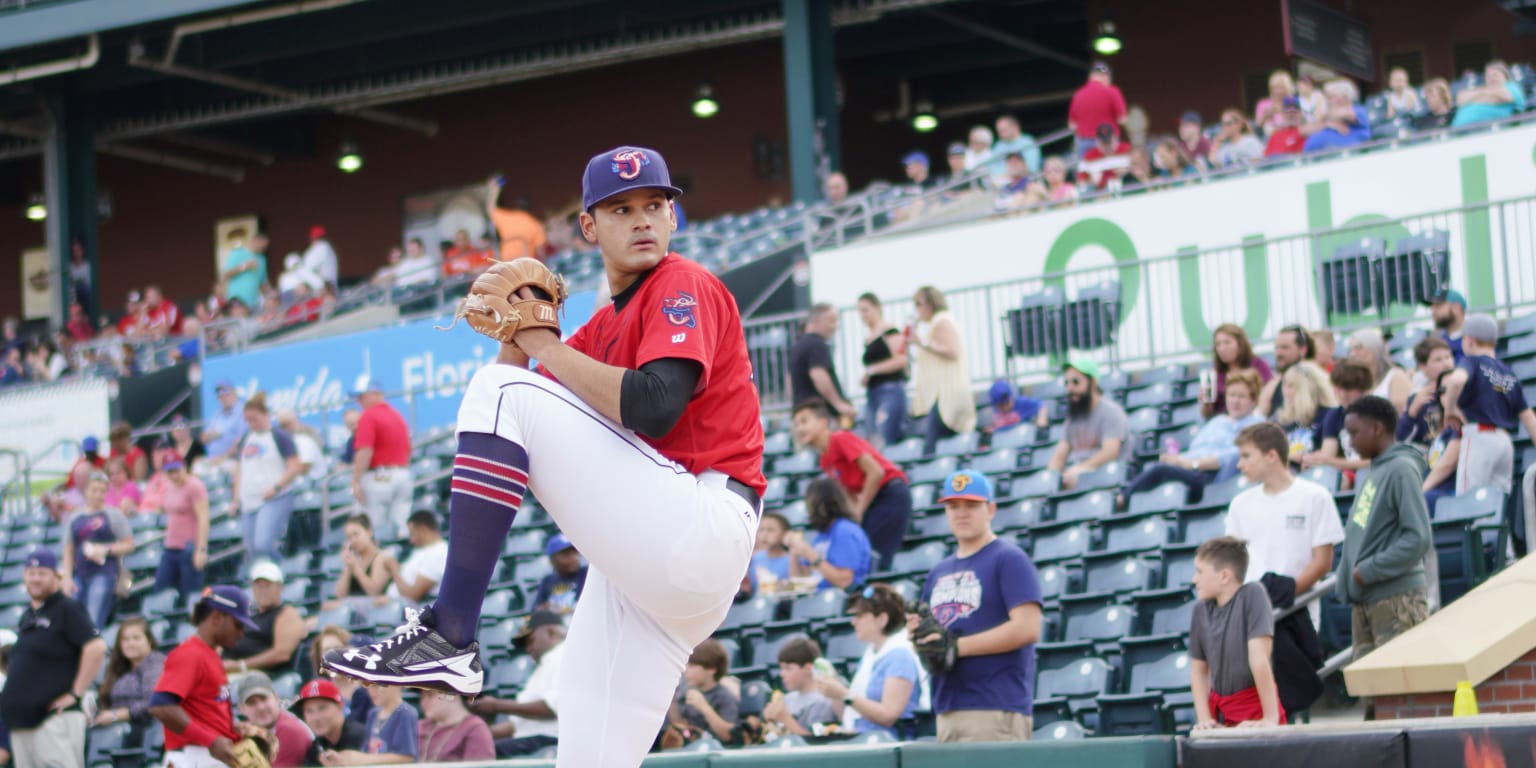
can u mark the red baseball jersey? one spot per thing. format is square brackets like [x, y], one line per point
[841, 461]
[194, 673]
[681, 310]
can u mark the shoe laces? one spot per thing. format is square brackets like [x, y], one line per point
[407, 631]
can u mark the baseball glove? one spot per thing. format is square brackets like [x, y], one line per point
[250, 753]
[935, 645]
[492, 308]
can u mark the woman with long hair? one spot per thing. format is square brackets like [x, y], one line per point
[188, 448]
[1235, 145]
[267, 466]
[840, 551]
[1387, 380]
[1308, 400]
[123, 493]
[885, 374]
[133, 669]
[1230, 351]
[96, 538]
[365, 568]
[1269, 113]
[888, 684]
[943, 375]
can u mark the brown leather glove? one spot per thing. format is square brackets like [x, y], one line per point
[492, 308]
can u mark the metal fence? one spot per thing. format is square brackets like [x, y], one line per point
[1142, 314]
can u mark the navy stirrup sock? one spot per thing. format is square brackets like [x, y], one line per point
[490, 476]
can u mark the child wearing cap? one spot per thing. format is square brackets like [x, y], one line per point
[561, 587]
[1010, 409]
[1489, 404]
[320, 703]
[1231, 635]
[988, 594]
[192, 697]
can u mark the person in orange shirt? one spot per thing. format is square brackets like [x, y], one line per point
[465, 258]
[521, 234]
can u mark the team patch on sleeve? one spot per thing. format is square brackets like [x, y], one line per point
[680, 310]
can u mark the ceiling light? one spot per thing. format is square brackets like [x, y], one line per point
[704, 104]
[924, 121]
[1107, 42]
[37, 210]
[350, 160]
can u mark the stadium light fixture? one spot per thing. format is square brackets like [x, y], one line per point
[350, 160]
[1107, 41]
[704, 104]
[37, 210]
[924, 120]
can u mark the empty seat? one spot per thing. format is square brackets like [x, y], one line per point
[1327, 477]
[1135, 534]
[800, 463]
[1065, 542]
[1111, 475]
[1090, 506]
[919, 560]
[526, 543]
[1140, 711]
[1063, 730]
[1055, 581]
[997, 461]
[1178, 566]
[1017, 436]
[752, 613]
[1034, 485]
[1018, 516]
[498, 636]
[512, 674]
[1108, 623]
[1164, 498]
[1196, 526]
[1156, 396]
[957, 445]
[795, 513]
[910, 449]
[158, 605]
[1058, 692]
[922, 495]
[933, 471]
[826, 604]
[1164, 612]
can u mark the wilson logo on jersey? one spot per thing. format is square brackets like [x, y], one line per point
[679, 310]
[627, 164]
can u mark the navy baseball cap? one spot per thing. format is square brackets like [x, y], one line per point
[621, 170]
[557, 543]
[90, 444]
[1001, 391]
[42, 558]
[232, 601]
[966, 484]
[916, 156]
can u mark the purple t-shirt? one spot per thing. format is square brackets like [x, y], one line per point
[972, 595]
[1493, 394]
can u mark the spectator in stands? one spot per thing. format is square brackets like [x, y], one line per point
[152, 497]
[261, 707]
[1440, 108]
[296, 274]
[560, 588]
[1434, 357]
[364, 567]
[1235, 145]
[1231, 351]
[978, 149]
[1140, 174]
[1449, 310]
[306, 441]
[800, 707]
[349, 419]
[245, 269]
[1444, 452]
[224, 429]
[1351, 381]
[1343, 124]
[1381, 573]
[381, 473]
[888, 683]
[464, 257]
[320, 257]
[1326, 354]
[385, 276]
[417, 578]
[1292, 345]
[96, 539]
[702, 704]
[122, 493]
[840, 551]
[1096, 102]
[1054, 188]
[185, 552]
[943, 378]
[1229, 672]
[1286, 139]
[69, 496]
[1313, 104]
[1192, 143]
[521, 234]
[879, 498]
[1010, 409]
[131, 324]
[1097, 431]
[1010, 138]
[13, 368]
[447, 733]
[533, 715]
[770, 561]
[1387, 380]
[1497, 98]
[1106, 160]
[836, 189]
[1402, 100]
[916, 166]
[812, 376]
[1490, 404]
[133, 669]
[57, 656]
[79, 325]
[1269, 114]
[271, 646]
[161, 318]
[391, 730]
[988, 594]
[1169, 160]
[417, 267]
[263, 481]
[182, 442]
[885, 374]
[352, 691]
[1290, 524]
[1213, 454]
[1014, 189]
[120, 438]
[1309, 401]
[321, 704]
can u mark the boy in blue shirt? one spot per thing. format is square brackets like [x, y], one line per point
[1489, 404]
[988, 594]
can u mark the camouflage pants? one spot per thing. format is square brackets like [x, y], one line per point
[1376, 623]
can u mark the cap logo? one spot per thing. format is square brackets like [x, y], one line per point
[627, 164]
[960, 482]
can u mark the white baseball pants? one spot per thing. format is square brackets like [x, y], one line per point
[1487, 458]
[667, 551]
[192, 757]
[387, 499]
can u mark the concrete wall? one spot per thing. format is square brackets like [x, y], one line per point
[1512, 690]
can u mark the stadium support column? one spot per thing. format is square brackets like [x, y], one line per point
[810, 88]
[69, 184]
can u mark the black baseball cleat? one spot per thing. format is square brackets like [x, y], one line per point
[416, 657]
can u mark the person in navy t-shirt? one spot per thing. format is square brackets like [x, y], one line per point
[1490, 404]
[988, 594]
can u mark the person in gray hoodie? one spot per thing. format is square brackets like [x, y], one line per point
[1381, 574]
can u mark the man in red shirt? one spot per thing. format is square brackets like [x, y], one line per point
[381, 472]
[464, 258]
[1287, 140]
[79, 325]
[882, 502]
[645, 444]
[1109, 157]
[161, 318]
[192, 699]
[132, 323]
[1097, 102]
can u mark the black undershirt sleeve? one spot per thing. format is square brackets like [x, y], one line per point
[652, 399]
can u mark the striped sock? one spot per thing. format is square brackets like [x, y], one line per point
[490, 476]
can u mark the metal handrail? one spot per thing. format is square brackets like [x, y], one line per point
[1316, 593]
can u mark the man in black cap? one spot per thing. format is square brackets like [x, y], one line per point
[192, 698]
[531, 726]
[57, 655]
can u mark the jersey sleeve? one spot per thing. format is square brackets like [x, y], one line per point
[284, 443]
[1019, 581]
[179, 675]
[682, 320]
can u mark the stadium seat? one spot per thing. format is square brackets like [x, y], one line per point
[103, 740]
[1017, 436]
[1060, 693]
[389, 615]
[918, 561]
[159, 605]
[1089, 506]
[1164, 611]
[531, 571]
[1060, 542]
[1221, 493]
[1117, 573]
[752, 613]
[933, 471]
[1179, 565]
[1139, 710]
[1164, 498]
[1017, 516]
[801, 463]
[1107, 623]
[826, 604]
[795, 513]
[844, 647]
[932, 527]
[286, 685]
[1184, 415]
[754, 696]
[909, 589]
[1327, 477]
[1135, 534]
[778, 443]
[507, 677]
[1465, 528]
[1111, 475]
[778, 487]
[908, 450]
[1063, 730]
[1197, 525]
[501, 603]
[957, 445]
[525, 543]
[1034, 485]
[1055, 581]
[297, 591]
[998, 461]
[765, 649]
[1154, 397]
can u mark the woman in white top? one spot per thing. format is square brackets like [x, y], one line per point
[942, 373]
[266, 466]
[1367, 346]
[1402, 100]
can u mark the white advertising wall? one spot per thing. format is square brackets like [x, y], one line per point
[35, 419]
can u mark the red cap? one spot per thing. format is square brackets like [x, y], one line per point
[319, 688]
[316, 232]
